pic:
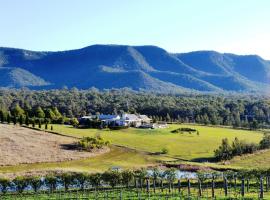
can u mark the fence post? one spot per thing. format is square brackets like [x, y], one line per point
[135, 183]
[247, 185]
[267, 183]
[235, 182]
[200, 187]
[213, 188]
[161, 185]
[147, 185]
[188, 188]
[225, 187]
[154, 185]
[261, 188]
[179, 185]
[243, 188]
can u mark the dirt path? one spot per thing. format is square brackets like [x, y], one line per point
[20, 145]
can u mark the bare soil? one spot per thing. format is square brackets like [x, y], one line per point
[19, 145]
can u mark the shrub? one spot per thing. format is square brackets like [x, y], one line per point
[35, 182]
[164, 150]
[4, 183]
[20, 183]
[181, 130]
[265, 142]
[91, 143]
[112, 177]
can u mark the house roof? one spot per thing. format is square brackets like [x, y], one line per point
[108, 117]
[131, 117]
[144, 117]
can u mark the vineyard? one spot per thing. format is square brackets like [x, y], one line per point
[140, 184]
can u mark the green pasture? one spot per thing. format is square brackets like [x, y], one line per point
[181, 146]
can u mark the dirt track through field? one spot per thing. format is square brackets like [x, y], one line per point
[20, 145]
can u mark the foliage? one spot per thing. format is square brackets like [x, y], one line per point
[238, 148]
[20, 183]
[265, 142]
[4, 184]
[112, 177]
[164, 150]
[91, 143]
[235, 110]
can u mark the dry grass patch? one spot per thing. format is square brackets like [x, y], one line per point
[19, 145]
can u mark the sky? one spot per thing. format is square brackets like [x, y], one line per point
[236, 26]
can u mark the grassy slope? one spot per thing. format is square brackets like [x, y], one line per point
[184, 146]
[116, 157]
[258, 160]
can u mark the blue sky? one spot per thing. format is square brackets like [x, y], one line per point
[237, 26]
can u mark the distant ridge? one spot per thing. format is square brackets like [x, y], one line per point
[147, 68]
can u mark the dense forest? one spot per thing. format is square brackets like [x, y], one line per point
[234, 110]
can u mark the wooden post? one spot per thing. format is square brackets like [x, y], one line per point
[154, 185]
[235, 182]
[200, 187]
[213, 188]
[225, 187]
[147, 185]
[247, 185]
[179, 185]
[261, 188]
[243, 188]
[267, 183]
[135, 183]
[161, 185]
[188, 187]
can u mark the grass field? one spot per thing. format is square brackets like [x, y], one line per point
[182, 146]
[119, 157]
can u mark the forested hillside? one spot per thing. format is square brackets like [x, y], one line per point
[233, 110]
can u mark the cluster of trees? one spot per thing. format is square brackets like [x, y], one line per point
[227, 151]
[234, 110]
[82, 180]
[35, 115]
[92, 143]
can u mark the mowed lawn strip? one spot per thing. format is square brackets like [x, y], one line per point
[184, 146]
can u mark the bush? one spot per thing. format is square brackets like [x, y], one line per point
[265, 142]
[164, 150]
[181, 130]
[238, 148]
[91, 143]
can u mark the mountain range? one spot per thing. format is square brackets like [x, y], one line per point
[147, 68]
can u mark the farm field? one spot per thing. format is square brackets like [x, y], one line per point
[181, 146]
[136, 148]
[20, 145]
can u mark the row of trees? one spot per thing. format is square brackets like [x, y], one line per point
[82, 180]
[139, 179]
[234, 110]
[227, 151]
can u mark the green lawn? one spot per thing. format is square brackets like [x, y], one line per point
[183, 146]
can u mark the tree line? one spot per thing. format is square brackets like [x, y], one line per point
[227, 151]
[235, 110]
